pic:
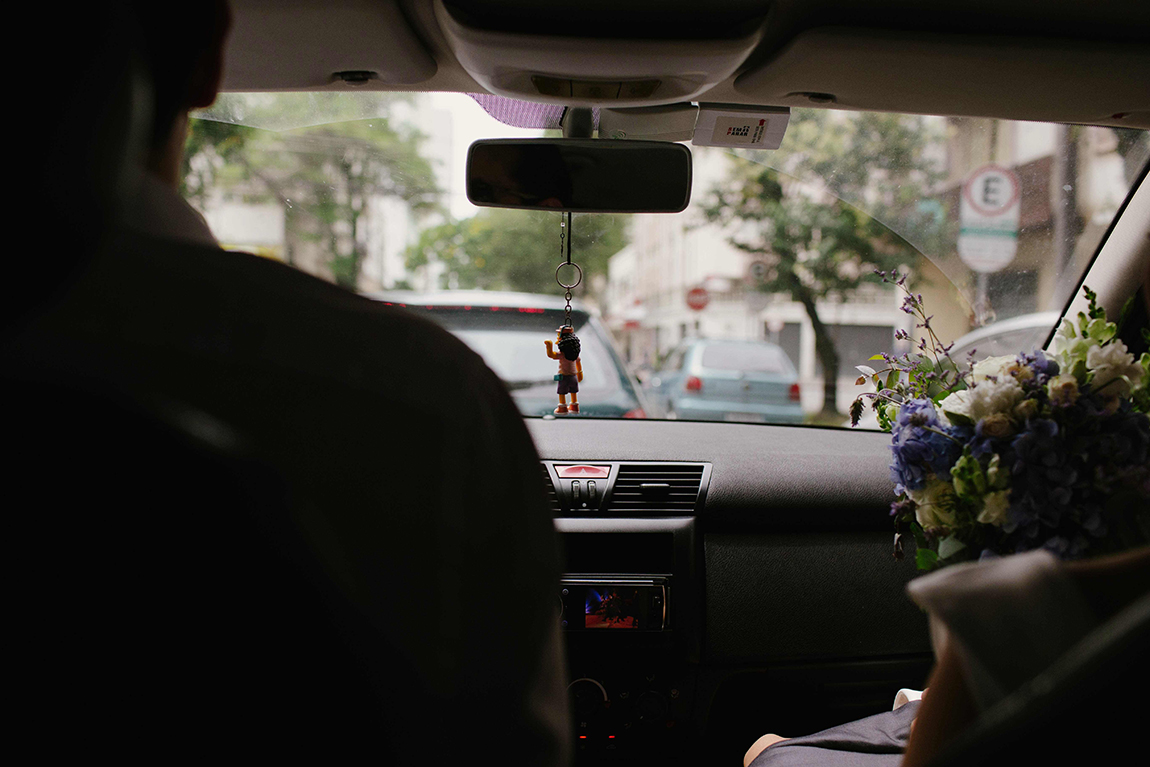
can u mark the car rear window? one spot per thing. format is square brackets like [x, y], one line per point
[760, 358]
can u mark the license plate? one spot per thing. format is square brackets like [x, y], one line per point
[752, 417]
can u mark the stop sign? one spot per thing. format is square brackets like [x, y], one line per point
[698, 299]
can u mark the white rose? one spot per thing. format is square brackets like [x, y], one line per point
[989, 397]
[992, 367]
[957, 403]
[934, 504]
[1113, 362]
[994, 508]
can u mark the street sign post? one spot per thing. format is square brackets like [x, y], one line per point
[988, 215]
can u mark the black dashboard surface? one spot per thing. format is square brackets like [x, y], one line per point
[763, 477]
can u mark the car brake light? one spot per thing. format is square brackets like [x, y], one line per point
[796, 394]
[694, 384]
[636, 413]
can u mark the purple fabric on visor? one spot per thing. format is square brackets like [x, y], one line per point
[524, 114]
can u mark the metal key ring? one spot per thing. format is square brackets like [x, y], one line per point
[578, 279]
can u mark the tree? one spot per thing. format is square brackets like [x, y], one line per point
[323, 175]
[817, 245]
[503, 249]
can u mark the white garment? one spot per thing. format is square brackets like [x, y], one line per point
[1008, 618]
[160, 212]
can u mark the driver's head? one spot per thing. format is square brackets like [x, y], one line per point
[184, 49]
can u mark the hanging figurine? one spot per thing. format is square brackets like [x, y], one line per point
[570, 368]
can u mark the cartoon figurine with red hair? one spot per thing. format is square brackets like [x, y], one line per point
[570, 368]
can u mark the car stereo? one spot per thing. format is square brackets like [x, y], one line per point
[614, 603]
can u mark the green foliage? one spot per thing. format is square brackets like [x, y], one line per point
[324, 176]
[502, 249]
[970, 483]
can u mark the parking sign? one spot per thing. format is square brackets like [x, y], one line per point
[988, 215]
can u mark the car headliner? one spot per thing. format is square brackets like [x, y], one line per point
[993, 58]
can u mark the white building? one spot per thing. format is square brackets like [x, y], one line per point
[669, 255]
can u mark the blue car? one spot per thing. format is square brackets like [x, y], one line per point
[749, 381]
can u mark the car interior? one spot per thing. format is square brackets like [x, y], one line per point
[759, 555]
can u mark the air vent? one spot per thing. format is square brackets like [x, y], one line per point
[552, 495]
[657, 487]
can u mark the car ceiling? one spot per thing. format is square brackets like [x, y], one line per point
[1060, 60]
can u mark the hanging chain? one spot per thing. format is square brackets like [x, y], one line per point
[565, 239]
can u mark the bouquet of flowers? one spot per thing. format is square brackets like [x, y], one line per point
[1039, 450]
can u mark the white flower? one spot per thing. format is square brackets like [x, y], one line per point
[994, 507]
[983, 399]
[1063, 389]
[997, 477]
[934, 504]
[990, 397]
[992, 367]
[1113, 363]
[997, 425]
[957, 403]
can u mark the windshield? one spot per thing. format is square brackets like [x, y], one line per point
[993, 221]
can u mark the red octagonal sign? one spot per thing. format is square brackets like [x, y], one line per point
[697, 298]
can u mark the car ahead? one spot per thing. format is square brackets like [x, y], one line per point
[1010, 336]
[508, 330]
[714, 380]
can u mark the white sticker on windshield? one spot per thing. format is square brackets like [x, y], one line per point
[750, 127]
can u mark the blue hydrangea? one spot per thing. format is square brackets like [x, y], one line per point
[1043, 367]
[921, 445]
[1043, 479]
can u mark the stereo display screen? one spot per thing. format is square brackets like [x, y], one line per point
[623, 607]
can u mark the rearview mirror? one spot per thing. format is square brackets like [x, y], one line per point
[581, 175]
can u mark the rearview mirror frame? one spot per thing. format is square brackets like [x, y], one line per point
[580, 175]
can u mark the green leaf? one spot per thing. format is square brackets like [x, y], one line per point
[925, 559]
[919, 535]
[892, 379]
[958, 419]
[1125, 313]
[875, 357]
[1079, 372]
[949, 546]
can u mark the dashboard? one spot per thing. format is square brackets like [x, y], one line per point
[723, 580]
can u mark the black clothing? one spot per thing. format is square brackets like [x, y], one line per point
[419, 529]
[876, 741]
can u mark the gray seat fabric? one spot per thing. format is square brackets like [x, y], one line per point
[1087, 706]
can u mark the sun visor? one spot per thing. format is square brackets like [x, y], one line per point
[1037, 79]
[283, 45]
[603, 71]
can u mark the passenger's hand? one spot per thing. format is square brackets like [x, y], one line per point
[580, 376]
[759, 746]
